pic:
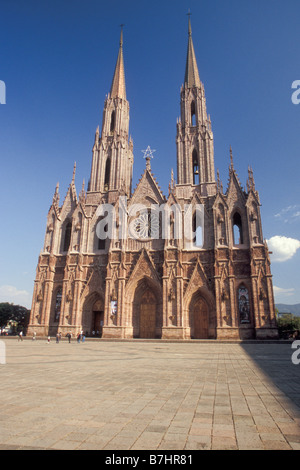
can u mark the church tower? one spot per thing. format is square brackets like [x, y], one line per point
[112, 152]
[195, 148]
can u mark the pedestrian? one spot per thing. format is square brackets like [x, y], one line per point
[20, 336]
[78, 337]
[48, 339]
[34, 336]
[57, 337]
[69, 336]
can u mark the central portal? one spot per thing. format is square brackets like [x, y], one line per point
[98, 318]
[199, 320]
[148, 315]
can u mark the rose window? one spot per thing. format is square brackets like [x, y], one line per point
[146, 225]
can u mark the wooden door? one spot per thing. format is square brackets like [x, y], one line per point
[147, 315]
[201, 320]
[98, 322]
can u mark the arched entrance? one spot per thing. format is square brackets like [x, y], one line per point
[148, 315]
[98, 318]
[93, 315]
[146, 310]
[199, 317]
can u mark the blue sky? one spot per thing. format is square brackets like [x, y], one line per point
[57, 61]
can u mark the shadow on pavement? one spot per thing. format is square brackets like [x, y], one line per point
[275, 361]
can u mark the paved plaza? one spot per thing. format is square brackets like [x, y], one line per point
[136, 395]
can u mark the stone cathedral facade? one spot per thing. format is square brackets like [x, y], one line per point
[169, 287]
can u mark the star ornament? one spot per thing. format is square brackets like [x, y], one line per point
[148, 153]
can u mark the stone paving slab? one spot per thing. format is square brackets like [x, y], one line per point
[136, 395]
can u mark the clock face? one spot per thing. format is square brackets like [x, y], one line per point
[146, 226]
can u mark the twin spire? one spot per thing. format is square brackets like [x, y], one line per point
[191, 79]
[118, 89]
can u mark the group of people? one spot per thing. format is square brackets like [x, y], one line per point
[80, 336]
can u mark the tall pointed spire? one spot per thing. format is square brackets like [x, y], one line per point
[191, 78]
[118, 89]
[113, 151]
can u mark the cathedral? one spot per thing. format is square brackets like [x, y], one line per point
[201, 273]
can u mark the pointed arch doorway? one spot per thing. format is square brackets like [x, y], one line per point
[98, 318]
[92, 314]
[199, 318]
[146, 309]
[148, 315]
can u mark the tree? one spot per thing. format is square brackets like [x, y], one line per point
[288, 324]
[14, 313]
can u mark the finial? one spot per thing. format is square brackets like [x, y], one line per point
[74, 171]
[172, 182]
[219, 182]
[231, 158]
[82, 192]
[56, 195]
[250, 181]
[97, 135]
[121, 35]
[190, 27]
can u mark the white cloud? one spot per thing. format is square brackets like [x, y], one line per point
[12, 295]
[283, 248]
[284, 296]
[289, 214]
[281, 291]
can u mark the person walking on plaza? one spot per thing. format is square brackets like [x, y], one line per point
[20, 336]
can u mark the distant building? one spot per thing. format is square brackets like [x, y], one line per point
[145, 287]
[284, 314]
